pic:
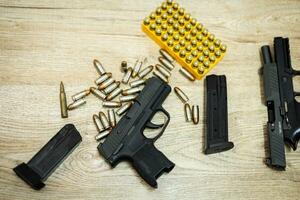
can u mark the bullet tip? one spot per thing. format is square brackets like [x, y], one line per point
[62, 89]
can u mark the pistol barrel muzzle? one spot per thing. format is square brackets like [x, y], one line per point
[266, 53]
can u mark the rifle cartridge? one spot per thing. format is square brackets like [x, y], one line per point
[63, 101]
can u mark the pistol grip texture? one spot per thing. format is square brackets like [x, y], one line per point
[150, 163]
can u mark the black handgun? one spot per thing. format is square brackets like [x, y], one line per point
[283, 109]
[127, 141]
[290, 108]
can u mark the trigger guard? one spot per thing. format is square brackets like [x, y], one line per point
[164, 125]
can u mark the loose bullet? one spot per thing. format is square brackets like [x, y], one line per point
[127, 75]
[99, 67]
[161, 76]
[127, 98]
[104, 120]
[112, 117]
[195, 114]
[187, 74]
[97, 93]
[80, 95]
[102, 78]
[166, 55]
[163, 70]
[145, 71]
[98, 123]
[111, 87]
[102, 135]
[123, 109]
[181, 95]
[132, 90]
[106, 83]
[76, 104]
[123, 66]
[111, 104]
[188, 112]
[114, 93]
[63, 101]
[166, 63]
[136, 68]
[137, 83]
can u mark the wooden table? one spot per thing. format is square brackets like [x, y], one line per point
[45, 42]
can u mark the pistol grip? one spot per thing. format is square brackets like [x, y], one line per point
[150, 163]
[293, 138]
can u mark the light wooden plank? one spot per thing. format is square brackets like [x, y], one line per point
[45, 42]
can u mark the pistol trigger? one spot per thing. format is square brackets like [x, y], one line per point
[153, 126]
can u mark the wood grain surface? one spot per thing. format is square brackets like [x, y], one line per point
[45, 42]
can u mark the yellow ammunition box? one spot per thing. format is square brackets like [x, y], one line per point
[184, 38]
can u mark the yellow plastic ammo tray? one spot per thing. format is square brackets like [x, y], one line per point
[185, 39]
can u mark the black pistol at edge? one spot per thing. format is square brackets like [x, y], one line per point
[283, 109]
